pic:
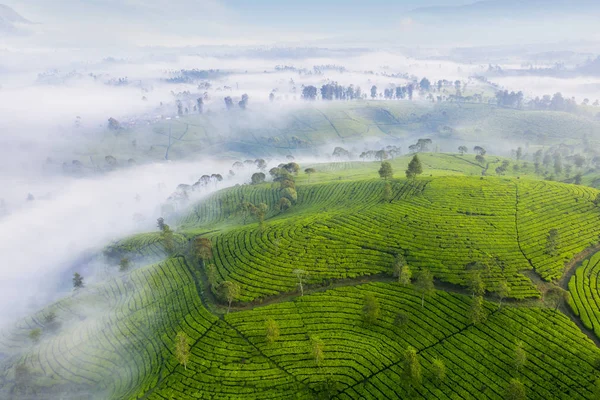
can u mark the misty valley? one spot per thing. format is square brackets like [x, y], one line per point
[222, 200]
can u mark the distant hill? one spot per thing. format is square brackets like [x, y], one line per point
[512, 8]
[10, 21]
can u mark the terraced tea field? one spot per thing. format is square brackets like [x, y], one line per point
[345, 230]
[119, 339]
[585, 293]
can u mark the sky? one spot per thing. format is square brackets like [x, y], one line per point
[180, 23]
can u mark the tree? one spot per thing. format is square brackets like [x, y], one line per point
[124, 264]
[309, 93]
[555, 296]
[284, 204]
[230, 291]
[425, 84]
[160, 223]
[260, 211]
[317, 349]
[272, 97]
[597, 200]
[520, 357]
[202, 248]
[35, 335]
[480, 159]
[503, 291]
[371, 309]
[552, 242]
[411, 371]
[300, 275]
[387, 192]
[200, 103]
[258, 178]
[113, 124]
[309, 172]
[424, 284]
[244, 102]
[182, 349]
[271, 331]
[168, 240]
[402, 270]
[386, 171]
[439, 371]
[519, 153]
[515, 390]
[463, 150]
[477, 312]
[476, 284]
[414, 168]
[228, 102]
[373, 92]
[479, 150]
[291, 194]
[77, 281]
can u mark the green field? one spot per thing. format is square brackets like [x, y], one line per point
[117, 339]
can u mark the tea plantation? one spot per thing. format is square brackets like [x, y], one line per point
[164, 329]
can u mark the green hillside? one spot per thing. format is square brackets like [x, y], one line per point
[348, 331]
[269, 130]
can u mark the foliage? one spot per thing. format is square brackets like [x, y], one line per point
[371, 309]
[424, 284]
[271, 331]
[77, 281]
[230, 291]
[515, 390]
[411, 371]
[415, 168]
[182, 349]
[439, 371]
[317, 349]
[386, 171]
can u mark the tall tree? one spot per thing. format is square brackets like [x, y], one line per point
[552, 242]
[520, 357]
[411, 371]
[515, 390]
[439, 370]
[244, 102]
[271, 331]
[477, 313]
[202, 248]
[555, 296]
[168, 239]
[124, 264]
[317, 349]
[230, 291]
[371, 309]
[77, 281]
[387, 192]
[414, 168]
[424, 284]
[386, 171]
[182, 349]
[228, 102]
[300, 275]
[309, 172]
[373, 92]
[462, 150]
[476, 283]
[503, 291]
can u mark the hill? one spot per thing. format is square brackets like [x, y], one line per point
[355, 125]
[9, 20]
[117, 339]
